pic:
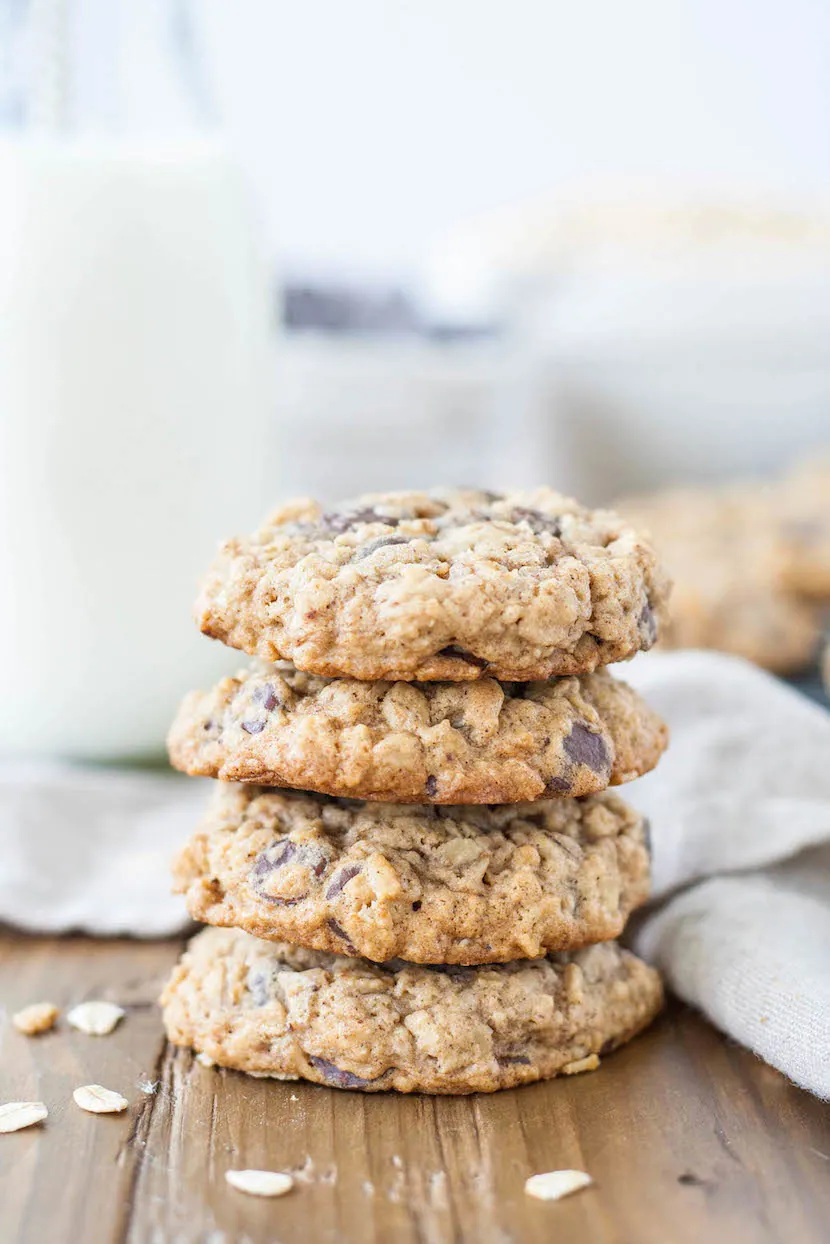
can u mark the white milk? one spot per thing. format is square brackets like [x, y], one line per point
[135, 432]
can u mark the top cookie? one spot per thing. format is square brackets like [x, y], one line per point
[445, 585]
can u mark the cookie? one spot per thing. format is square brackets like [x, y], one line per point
[272, 1009]
[728, 563]
[801, 505]
[431, 885]
[432, 742]
[453, 585]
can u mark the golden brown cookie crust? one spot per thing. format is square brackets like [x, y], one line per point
[481, 742]
[274, 1010]
[453, 585]
[460, 885]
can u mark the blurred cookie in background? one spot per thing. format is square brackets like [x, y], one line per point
[802, 502]
[731, 564]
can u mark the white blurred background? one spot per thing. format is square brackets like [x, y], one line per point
[260, 249]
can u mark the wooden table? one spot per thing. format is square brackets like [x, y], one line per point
[688, 1138]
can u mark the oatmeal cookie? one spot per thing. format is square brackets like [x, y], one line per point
[431, 885]
[274, 1010]
[453, 585]
[725, 552]
[433, 742]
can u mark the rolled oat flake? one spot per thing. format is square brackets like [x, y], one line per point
[15, 1115]
[96, 1019]
[553, 1185]
[99, 1100]
[260, 1183]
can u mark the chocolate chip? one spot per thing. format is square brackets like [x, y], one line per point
[371, 546]
[431, 785]
[268, 862]
[254, 727]
[538, 522]
[257, 981]
[511, 1059]
[584, 747]
[338, 521]
[416, 906]
[342, 878]
[266, 696]
[342, 934]
[558, 786]
[336, 1075]
[452, 650]
[647, 625]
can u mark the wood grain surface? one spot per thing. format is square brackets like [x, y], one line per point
[687, 1137]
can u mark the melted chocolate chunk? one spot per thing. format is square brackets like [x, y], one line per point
[338, 521]
[336, 1075]
[342, 934]
[558, 786]
[342, 878]
[371, 546]
[513, 1059]
[539, 523]
[270, 861]
[452, 650]
[583, 747]
[431, 785]
[258, 981]
[267, 697]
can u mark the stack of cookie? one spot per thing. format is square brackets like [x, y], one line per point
[411, 850]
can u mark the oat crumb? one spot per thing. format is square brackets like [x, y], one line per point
[35, 1019]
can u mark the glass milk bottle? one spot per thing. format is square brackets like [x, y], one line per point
[135, 408]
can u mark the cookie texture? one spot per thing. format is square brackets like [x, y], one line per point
[433, 742]
[451, 585]
[272, 1009]
[729, 562]
[459, 885]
